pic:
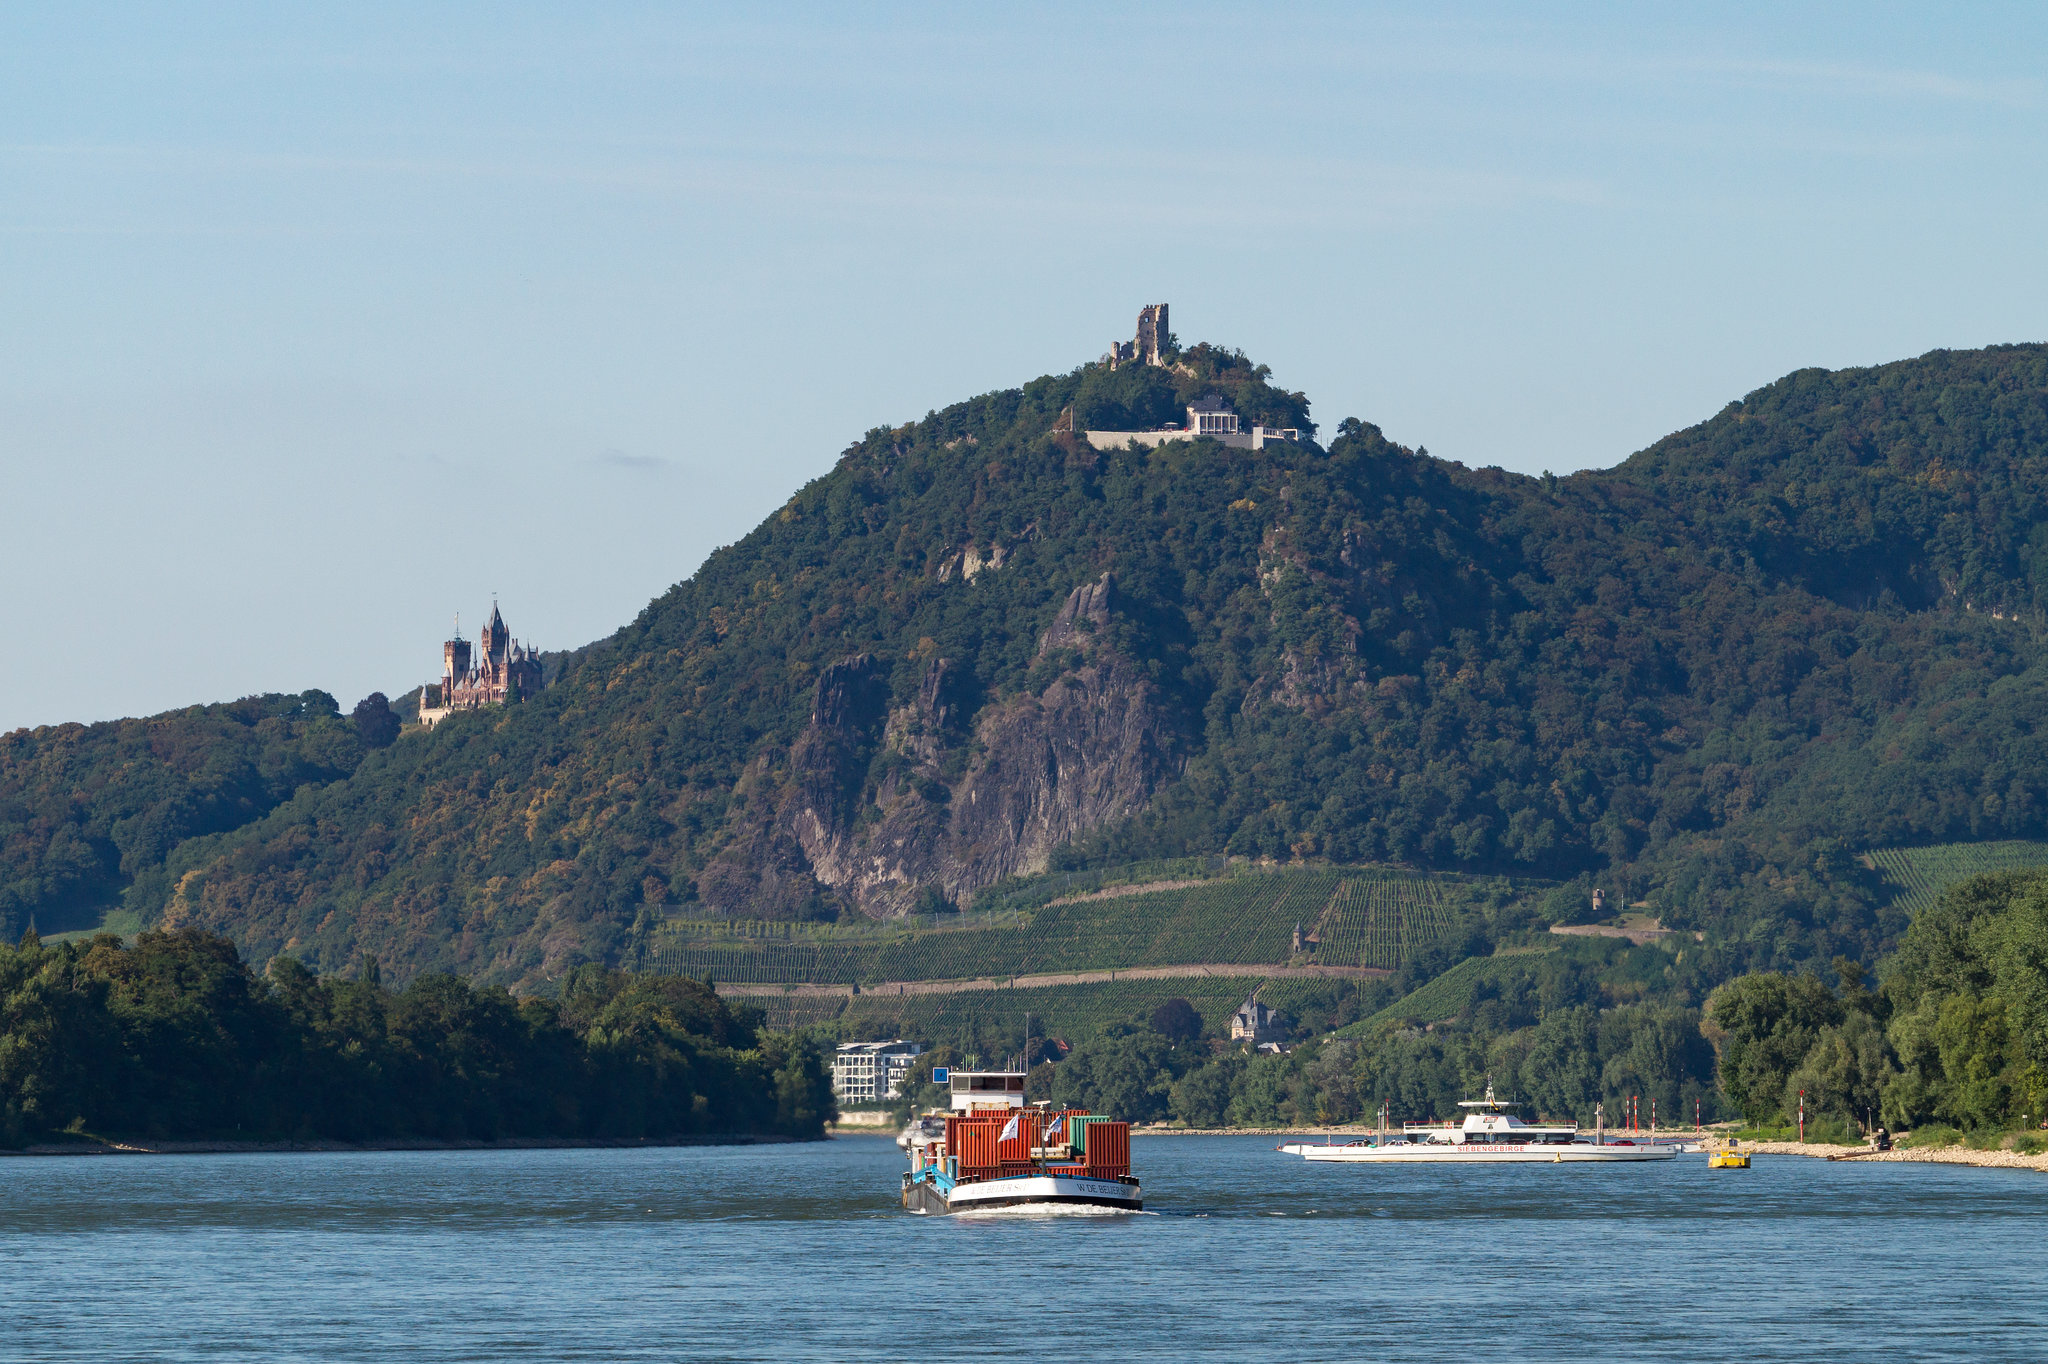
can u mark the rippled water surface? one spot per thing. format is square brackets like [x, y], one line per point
[799, 1252]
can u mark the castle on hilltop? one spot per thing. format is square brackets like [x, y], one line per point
[505, 671]
[1209, 417]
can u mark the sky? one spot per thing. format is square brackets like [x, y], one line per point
[321, 324]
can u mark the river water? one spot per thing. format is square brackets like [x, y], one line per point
[800, 1253]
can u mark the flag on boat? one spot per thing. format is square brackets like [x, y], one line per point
[1010, 1129]
[1057, 1124]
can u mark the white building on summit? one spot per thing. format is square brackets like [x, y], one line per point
[1209, 418]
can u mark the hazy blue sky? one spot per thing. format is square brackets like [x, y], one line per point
[318, 326]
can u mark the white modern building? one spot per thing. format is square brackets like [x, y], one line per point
[1208, 419]
[871, 1072]
[1211, 416]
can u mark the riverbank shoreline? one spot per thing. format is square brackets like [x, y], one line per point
[238, 1148]
[1931, 1155]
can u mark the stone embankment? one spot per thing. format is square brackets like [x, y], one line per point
[1936, 1155]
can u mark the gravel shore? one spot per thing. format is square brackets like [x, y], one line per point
[1938, 1155]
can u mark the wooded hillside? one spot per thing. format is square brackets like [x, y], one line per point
[1708, 677]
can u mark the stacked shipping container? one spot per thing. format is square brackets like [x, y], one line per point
[1087, 1144]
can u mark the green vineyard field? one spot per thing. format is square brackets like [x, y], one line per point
[1362, 916]
[1070, 1011]
[1450, 993]
[1383, 921]
[1918, 876]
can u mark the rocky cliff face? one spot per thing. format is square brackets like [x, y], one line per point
[884, 807]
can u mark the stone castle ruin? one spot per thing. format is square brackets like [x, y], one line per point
[504, 671]
[1150, 343]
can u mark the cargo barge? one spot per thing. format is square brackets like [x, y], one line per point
[993, 1150]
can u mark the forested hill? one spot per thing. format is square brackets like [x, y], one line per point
[978, 647]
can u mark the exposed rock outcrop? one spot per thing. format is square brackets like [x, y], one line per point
[763, 872]
[947, 815]
[1088, 750]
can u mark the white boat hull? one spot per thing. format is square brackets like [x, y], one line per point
[1447, 1153]
[985, 1195]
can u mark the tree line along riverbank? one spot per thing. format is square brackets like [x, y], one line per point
[175, 1039]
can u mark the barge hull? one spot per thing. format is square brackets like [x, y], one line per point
[925, 1196]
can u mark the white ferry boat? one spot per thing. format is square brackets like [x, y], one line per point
[1489, 1135]
[989, 1149]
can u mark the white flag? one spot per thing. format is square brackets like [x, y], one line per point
[1012, 1128]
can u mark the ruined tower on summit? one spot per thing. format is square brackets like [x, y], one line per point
[1151, 341]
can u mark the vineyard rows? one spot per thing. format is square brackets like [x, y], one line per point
[785, 1013]
[1383, 921]
[1449, 994]
[1247, 919]
[1919, 875]
[1073, 1012]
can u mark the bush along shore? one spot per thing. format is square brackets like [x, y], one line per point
[173, 1042]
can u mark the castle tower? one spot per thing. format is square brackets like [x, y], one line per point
[495, 637]
[454, 662]
[1152, 332]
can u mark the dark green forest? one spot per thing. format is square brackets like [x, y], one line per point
[175, 1038]
[1707, 677]
[1955, 1032]
[88, 813]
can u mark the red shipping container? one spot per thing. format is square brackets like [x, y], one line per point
[1016, 1149]
[1109, 1148]
[977, 1148]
